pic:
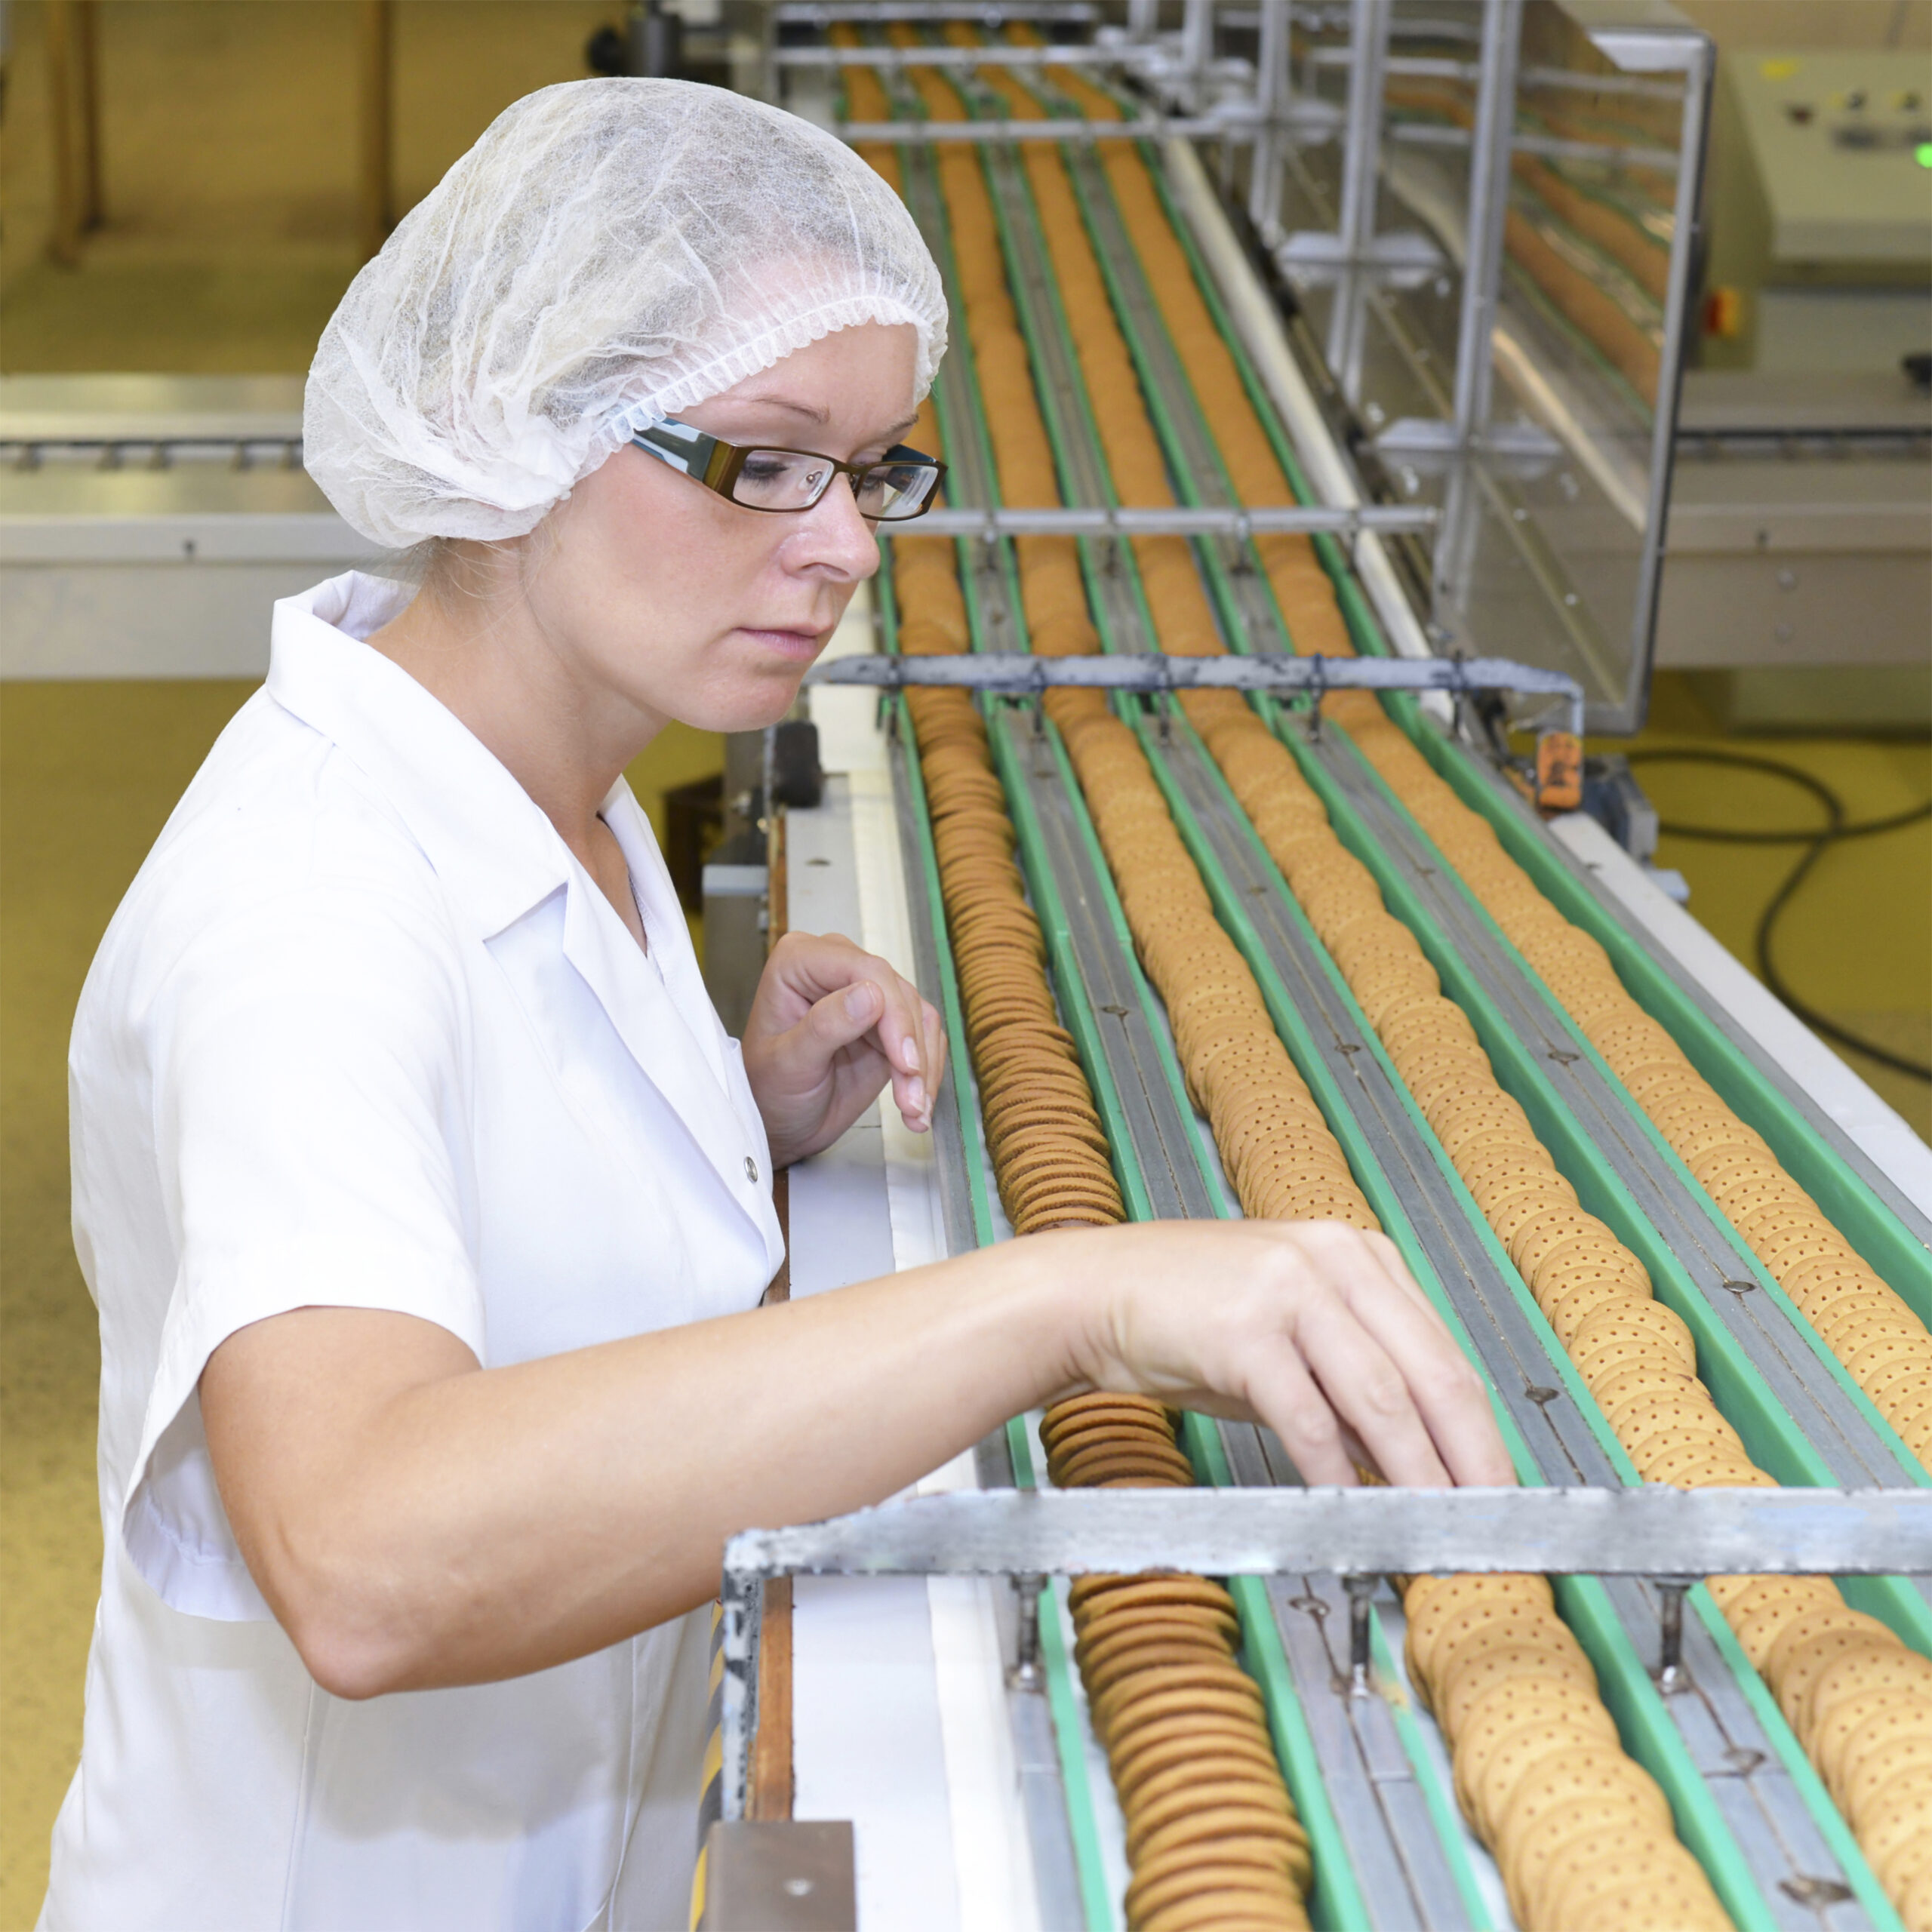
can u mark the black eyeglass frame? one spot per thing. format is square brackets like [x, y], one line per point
[718, 464]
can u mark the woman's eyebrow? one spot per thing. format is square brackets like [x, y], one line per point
[816, 415]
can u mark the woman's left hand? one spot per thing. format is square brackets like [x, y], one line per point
[830, 1027]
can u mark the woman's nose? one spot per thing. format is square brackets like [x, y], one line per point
[832, 534]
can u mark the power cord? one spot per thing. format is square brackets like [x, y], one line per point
[1817, 841]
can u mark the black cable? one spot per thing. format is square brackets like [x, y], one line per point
[1817, 840]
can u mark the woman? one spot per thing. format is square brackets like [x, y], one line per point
[426, 1204]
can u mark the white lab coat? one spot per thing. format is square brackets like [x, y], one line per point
[364, 1032]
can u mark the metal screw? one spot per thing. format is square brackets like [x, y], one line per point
[1670, 1678]
[1361, 1591]
[1026, 1674]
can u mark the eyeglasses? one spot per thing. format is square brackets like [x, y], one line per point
[900, 486]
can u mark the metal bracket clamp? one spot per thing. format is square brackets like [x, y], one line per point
[1024, 674]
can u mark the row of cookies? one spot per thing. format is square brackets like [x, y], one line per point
[1276, 1147]
[1582, 1834]
[1636, 1355]
[1212, 1836]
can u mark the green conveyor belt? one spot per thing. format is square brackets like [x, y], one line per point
[1768, 1430]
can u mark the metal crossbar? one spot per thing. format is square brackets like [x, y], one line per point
[1022, 674]
[1672, 1537]
[1177, 520]
[1371, 1531]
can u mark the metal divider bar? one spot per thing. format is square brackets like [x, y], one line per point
[1655, 1532]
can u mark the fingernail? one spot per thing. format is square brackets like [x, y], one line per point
[859, 1001]
[916, 1096]
[908, 1049]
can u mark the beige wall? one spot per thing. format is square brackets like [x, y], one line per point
[1846, 23]
[231, 125]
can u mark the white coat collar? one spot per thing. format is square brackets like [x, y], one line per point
[499, 857]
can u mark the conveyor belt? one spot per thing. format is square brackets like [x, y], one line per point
[1747, 1800]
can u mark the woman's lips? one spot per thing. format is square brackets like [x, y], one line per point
[801, 647]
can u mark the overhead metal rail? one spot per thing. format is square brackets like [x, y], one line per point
[1240, 520]
[1019, 672]
[990, 13]
[151, 452]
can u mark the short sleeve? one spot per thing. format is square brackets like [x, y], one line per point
[311, 1067]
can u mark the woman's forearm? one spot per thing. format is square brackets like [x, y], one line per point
[413, 1520]
[416, 1521]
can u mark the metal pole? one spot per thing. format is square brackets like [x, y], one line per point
[1489, 209]
[1264, 183]
[1368, 58]
[1361, 158]
[1143, 19]
[88, 73]
[1197, 46]
[374, 33]
[1482, 272]
[64, 245]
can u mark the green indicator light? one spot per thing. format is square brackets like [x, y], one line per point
[1922, 154]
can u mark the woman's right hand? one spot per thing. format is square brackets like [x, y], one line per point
[1313, 1327]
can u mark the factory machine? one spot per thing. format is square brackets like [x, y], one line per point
[1209, 756]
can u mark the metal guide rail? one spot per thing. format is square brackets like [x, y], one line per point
[1236, 521]
[1676, 1535]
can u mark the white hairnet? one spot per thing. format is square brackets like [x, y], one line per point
[610, 252]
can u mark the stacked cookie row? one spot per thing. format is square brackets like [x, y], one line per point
[1862, 1702]
[1212, 1836]
[1301, 586]
[1176, 597]
[1054, 598]
[1181, 1722]
[1178, 1716]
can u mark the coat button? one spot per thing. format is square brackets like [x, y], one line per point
[751, 1170]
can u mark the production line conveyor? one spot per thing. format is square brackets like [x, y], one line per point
[905, 1738]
